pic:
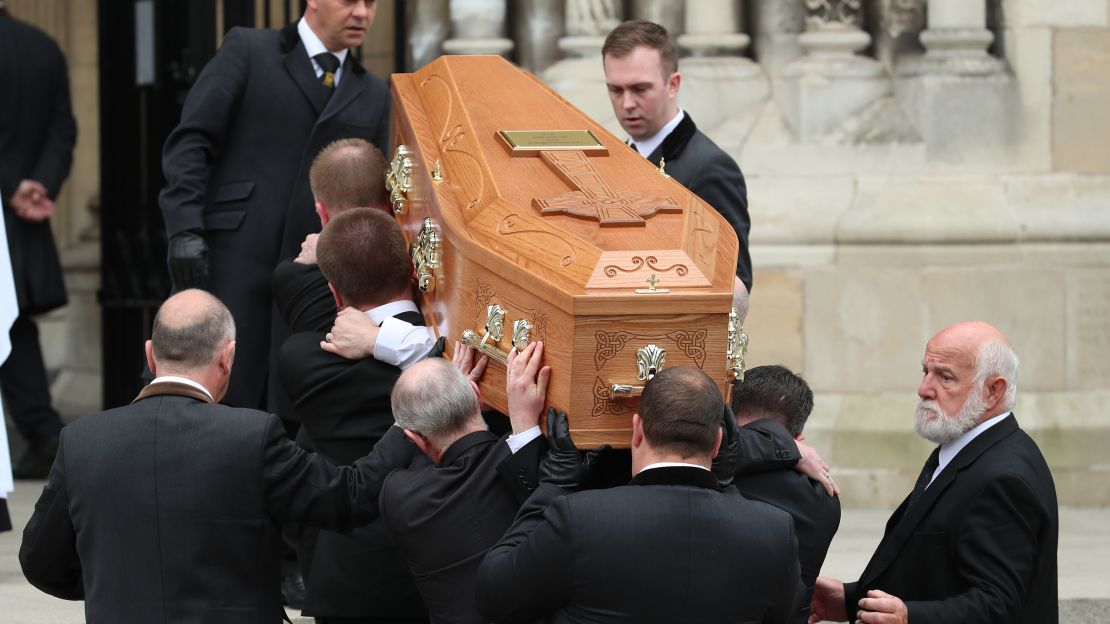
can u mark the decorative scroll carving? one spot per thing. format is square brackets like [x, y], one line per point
[595, 199]
[450, 136]
[638, 263]
[510, 225]
[821, 13]
[604, 403]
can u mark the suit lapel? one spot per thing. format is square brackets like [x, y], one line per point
[348, 90]
[903, 523]
[300, 69]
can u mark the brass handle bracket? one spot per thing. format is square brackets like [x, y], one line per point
[649, 361]
[495, 327]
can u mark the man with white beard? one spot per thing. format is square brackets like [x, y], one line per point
[975, 541]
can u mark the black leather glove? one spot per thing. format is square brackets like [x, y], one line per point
[564, 466]
[724, 464]
[187, 259]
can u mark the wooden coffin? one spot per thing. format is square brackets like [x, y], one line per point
[588, 248]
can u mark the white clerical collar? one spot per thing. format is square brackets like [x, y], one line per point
[648, 145]
[182, 380]
[671, 465]
[313, 45]
[949, 451]
[391, 309]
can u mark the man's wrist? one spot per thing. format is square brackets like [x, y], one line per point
[518, 440]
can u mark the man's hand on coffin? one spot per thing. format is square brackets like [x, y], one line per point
[353, 336]
[526, 386]
[812, 466]
[724, 462]
[308, 250]
[563, 465]
[187, 258]
[464, 359]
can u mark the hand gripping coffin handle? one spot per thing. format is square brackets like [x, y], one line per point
[649, 361]
[495, 324]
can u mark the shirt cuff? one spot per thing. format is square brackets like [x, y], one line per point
[402, 344]
[520, 440]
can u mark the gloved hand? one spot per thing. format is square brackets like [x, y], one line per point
[724, 464]
[564, 466]
[187, 259]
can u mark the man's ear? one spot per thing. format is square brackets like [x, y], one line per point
[421, 444]
[720, 436]
[995, 389]
[322, 211]
[477, 391]
[227, 357]
[673, 83]
[637, 430]
[338, 298]
[150, 358]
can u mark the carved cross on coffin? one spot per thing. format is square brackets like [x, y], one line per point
[595, 199]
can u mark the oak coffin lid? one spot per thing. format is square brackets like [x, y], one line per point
[588, 228]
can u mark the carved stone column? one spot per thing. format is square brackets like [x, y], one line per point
[431, 23]
[721, 89]
[580, 76]
[537, 27]
[959, 97]
[957, 39]
[478, 27]
[667, 13]
[775, 27]
[832, 81]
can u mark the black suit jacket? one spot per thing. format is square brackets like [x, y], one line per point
[816, 514]
[344, 407]
[443, 518]
[303, 298]
[236, 170]
[169, 510]
[979, 546]
[37, 132]
[672, 547]
[697, 163]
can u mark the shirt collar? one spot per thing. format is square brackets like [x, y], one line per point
[646, 146]
[949, 451]
[391, 309]
[671, 465]
[313, 45]
[183, 380]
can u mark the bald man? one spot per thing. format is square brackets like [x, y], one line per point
[975, 541]
[168, 509]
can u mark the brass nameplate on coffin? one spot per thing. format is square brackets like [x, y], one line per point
[527, 142]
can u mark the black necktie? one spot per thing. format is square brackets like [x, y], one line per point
[330, 64]
[925, 477]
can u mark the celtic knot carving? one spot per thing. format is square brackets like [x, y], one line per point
[692, 344]
[603, 403]
[609, 344]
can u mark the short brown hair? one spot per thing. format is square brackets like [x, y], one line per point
[773, 392]
[630, 35]
[362, 254]
[681, 411]
[348, 173]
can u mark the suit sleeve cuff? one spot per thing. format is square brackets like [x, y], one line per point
[518, 441]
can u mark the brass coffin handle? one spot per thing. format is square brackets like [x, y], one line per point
[649, 361]
[398, 180]
[495, 324]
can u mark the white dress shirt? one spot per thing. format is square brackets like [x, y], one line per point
[314, 46]
[648, 145]
[672, 465]
[950, 450]
[399, 343]
[518, 441]
[182, 380]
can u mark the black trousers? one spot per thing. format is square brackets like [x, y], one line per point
[26, 390]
